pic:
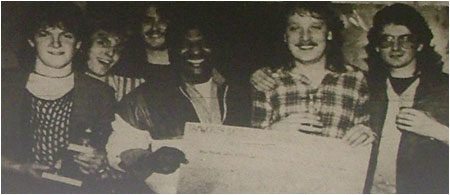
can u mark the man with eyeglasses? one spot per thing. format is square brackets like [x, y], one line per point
[409, 108]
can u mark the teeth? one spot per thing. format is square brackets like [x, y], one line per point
[105, 61]
[306, 47]
[196, 61]
[56, 53]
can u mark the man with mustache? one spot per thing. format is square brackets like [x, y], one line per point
[409, 107]
[48, 105]
[317, 93]
[147, 56]
[159, 112]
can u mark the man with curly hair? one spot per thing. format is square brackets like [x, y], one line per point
[317, 92]
[409, 105]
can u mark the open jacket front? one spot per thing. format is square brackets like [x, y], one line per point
[422, 163]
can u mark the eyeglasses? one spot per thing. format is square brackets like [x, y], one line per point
[405, 41]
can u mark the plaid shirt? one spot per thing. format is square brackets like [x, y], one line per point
[340, 101]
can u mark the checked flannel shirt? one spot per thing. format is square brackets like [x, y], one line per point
[340, 101]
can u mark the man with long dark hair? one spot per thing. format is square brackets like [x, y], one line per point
[102, 51]
[409, 105]
[317, 93]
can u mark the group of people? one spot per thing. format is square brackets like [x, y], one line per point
[70, 94]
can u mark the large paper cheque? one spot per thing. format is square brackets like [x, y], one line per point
[226, 159]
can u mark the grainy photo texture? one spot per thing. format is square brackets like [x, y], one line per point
[225, 97]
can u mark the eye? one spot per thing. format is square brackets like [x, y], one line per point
[293, 27]
[68, 35]
[42, 33]
[102, 42]
[317, 27]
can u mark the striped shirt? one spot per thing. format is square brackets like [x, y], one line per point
[121, 85]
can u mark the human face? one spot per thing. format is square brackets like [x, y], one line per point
[153, 29]
[306, 37]
[398, 47]
[196, 54]
[55, 47]
[104, 52]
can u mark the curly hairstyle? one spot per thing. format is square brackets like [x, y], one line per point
[64, 15]
[333, 52]
[428, 60]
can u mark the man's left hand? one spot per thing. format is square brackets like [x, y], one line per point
[418, 122]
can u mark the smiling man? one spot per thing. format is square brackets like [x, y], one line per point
[148, 54]
[409, 105]
[317, 93]
[104, 48]
[50, 106]
[159, 112]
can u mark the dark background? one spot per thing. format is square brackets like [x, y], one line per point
[247, 32]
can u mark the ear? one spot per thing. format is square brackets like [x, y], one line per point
[78, 45]
[329, 36]
[420, 47]
[30, 42]
[377, 49]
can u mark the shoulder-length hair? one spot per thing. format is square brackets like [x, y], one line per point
[333, 53]
[428, 60]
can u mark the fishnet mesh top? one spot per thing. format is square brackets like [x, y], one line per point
[50, 124]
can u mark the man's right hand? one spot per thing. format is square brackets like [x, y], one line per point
[264, 79]
[305, 122]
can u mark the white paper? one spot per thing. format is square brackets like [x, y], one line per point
[225, 159]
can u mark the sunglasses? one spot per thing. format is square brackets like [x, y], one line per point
[405, 41]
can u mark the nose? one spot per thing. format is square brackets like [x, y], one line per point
[195, 49]
[56, 42]
[395, 45]
[155, 25]
[110, 52]
[305, 35]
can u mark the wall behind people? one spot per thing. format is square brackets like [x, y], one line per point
[248, 30]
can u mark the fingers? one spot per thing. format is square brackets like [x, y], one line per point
[86, 167]
[262, 80]
[89, 163]
[307, 128]
[359, 135]
[411, 111]
[406, 116]
[303, 115]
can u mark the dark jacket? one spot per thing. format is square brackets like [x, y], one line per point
[422, 163]
[93, 108]
[163, 109]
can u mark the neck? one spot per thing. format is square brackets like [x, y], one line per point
[47, 71]
[157, 56]
[404, 72]
[304, 68]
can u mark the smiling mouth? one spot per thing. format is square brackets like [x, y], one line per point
[195, 61]
[104, 61]
[396, 55]
[56, 53]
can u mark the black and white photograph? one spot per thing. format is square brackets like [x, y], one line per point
[213, 97]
